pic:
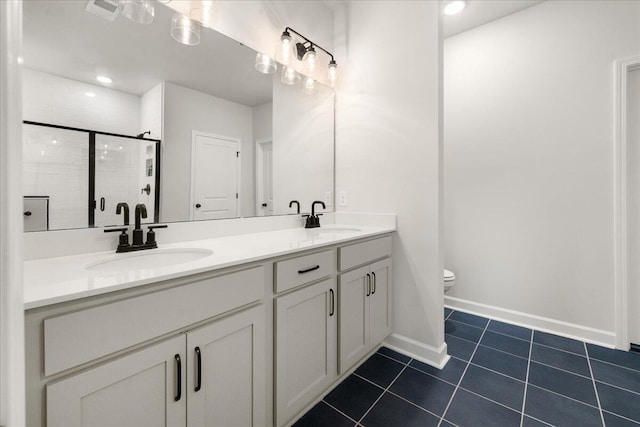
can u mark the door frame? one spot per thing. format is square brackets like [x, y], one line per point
[622, 68]
[192, 190]
[259, 171]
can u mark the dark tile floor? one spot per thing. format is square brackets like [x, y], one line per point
[499, 375]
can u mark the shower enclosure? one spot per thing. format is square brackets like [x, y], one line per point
[83, 174]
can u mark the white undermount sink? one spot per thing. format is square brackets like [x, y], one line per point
[152, 258]
[338, 229]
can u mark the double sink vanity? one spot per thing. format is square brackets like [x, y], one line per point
[242, 330]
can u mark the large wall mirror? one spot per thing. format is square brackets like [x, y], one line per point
[193, 132]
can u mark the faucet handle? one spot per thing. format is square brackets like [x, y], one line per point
[123, 239]
[151, 235]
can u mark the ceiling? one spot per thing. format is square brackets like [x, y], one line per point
[480, 12]
[61, 38]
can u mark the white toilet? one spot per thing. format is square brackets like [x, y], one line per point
[449, 280]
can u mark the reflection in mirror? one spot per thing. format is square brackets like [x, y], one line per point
[234, 142]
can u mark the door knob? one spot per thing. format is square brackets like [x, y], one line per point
[27, 213]
[198, 205]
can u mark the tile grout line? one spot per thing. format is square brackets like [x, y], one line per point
[382, 394]
[526, 382]
[391, 358]
[566, 397]
[620, 416]
[463, 373]
[618, 387]
[612, 364]
[339, 411]
[593, 381]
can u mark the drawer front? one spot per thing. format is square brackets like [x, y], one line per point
[305, 269]
[362, 253]
[76, 338]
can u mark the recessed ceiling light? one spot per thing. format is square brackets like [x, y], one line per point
[104, 79]
[90, 94]
[454, 7]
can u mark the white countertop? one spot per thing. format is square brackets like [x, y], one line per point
[55, 280]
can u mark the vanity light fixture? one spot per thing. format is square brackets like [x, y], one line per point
[204, 12]
[306, 52]
[309, 86]
[185, 30]
[454, 7]
[140, 11]
[265, 64]
[104, 79]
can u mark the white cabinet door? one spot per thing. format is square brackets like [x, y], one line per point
[227, 372]
[145, 388]
[305, 335]
[354, 316]
[380, 301]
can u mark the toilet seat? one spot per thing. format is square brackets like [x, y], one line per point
[449, 276]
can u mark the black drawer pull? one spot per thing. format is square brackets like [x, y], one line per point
[27, 213]
[178, 378]
[317, 267]
[198, 370]
[332, 310]
[374, 283]
[368, 284]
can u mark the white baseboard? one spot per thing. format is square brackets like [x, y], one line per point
[436, 357]
[544, 324]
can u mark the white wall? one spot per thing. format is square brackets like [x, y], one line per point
[61, 101]
[186, 110]
[389, 149]
[528, 159]
[151, 105]
[12, 387]
[263, 121]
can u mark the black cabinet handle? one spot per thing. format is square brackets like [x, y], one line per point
[374, 283]
[264, 205]
[368, 284]
[198, 369]
[332, 306]
[317, 267]
[103, 204]
[178, 378]
[198, 205]
[27, 213]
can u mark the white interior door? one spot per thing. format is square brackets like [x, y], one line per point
[214, 183]
[633, 167]
[264, 178]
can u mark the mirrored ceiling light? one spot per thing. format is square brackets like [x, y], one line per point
[310, 58]
[289, 76]
[454, 7]
[185, 30]
[204, 12]
[140, 11]
[104, 80]
[309, 86]
[265, 64]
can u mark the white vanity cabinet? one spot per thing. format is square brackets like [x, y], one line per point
[305, 338]
[211, 376]
[365, 299]
[136, 390]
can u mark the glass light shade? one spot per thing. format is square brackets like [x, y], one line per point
[454, 7]
[333, 72]
[289, 76]
[265, 64]
[309, 86]
[285, 48]
[310, 59]
[204, 12]
[140, 11]
[185, 30]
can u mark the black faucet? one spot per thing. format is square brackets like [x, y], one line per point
[297, 204]
[141, 211]
[119, 207]
[312, 220]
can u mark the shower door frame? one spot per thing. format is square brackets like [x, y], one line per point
[92, 205]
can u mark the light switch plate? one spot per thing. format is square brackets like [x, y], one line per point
[342, 198]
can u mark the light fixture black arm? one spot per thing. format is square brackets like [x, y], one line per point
[310, 42]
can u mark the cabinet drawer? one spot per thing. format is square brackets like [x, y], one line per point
[362, 253]
[76, 338]
[305, 269]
